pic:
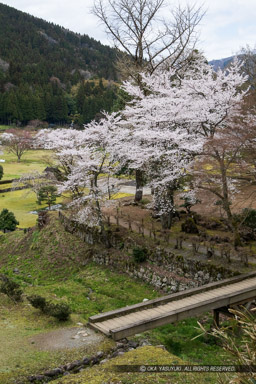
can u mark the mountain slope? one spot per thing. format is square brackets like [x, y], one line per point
[43, 68]
[37, 50]
[221, 63]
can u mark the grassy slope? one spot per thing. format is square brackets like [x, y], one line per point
[18, 356]
[53, 263]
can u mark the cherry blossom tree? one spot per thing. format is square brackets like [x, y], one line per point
[211, 97]
[170, 122]
[150, 33]
[86, 157]
[158, 143]
[61, 142]
[216, 108]
[33, 181]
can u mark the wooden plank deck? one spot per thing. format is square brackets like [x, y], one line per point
[144, 316]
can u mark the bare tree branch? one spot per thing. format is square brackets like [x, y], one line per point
[138, 29]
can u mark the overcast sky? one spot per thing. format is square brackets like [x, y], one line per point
[227, 26]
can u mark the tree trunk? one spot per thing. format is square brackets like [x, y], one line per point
[226, 206]
[139, 185]
[166, 220]
[225, 200]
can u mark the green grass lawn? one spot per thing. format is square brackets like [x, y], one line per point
[94, 289]
[24, 201]
[4, 127]
[33, 160]
[21, 203]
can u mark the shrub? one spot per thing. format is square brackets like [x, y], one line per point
[173, 346]
[37, 301]
[11, 289]
[247, 234]
[189, 226]
[249, 217]
[211, 223]
[139, 254]
[1, 172]
[8, 221]
[60, 311]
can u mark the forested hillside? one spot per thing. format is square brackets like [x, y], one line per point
[42, 68]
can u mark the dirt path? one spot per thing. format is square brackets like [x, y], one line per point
[246, 198]
[66, 338]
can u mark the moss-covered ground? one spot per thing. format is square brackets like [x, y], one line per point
[148, 355]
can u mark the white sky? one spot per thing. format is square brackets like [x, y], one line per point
[227, 26]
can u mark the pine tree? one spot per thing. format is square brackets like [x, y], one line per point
[47, 194]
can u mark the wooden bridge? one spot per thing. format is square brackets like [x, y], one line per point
[141, 317]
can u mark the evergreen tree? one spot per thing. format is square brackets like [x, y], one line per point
[8, 221]
[47, 194]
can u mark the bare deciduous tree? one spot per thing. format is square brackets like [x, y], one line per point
[138, 28]
[223, 166]
[250, 103]
[17, 141]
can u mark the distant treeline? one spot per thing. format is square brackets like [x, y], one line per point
[52, 104]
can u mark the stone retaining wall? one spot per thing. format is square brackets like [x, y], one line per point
[163, 269]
